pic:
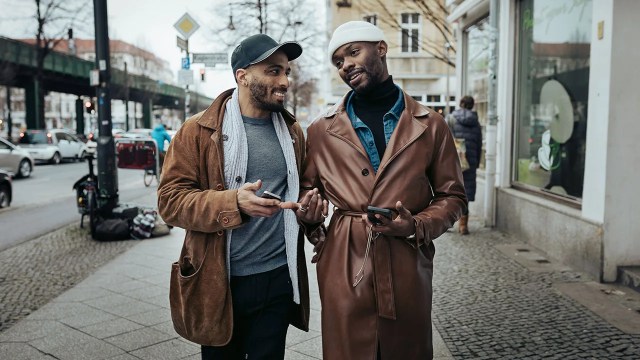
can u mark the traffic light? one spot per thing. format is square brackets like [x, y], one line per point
[202, 74]
[89, 107]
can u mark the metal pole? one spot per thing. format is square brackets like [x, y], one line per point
[491, 130]
[9, 120]
[107, 172]
[187, 95]
[126, 98]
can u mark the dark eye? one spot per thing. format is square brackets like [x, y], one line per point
[338, 64]
[355, 52]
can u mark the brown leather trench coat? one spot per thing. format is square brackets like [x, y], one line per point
[392, 304]
[192, 195]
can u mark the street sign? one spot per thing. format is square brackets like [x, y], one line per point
[185, 77]
[94, 77]
[186, 26]
[182, 43]
[186, 64]
[211, 59]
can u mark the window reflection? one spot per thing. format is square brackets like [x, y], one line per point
[553, 84]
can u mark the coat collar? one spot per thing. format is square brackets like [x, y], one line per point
[212, 117]
[411, 125]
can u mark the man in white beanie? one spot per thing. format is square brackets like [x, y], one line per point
[379, 147]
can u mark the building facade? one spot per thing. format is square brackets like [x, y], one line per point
[566, 175]
[420, 47]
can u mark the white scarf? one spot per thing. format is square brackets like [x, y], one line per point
[236, 156]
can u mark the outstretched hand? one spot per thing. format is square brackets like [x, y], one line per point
[403, 225]
[251, 204]
[311, 209]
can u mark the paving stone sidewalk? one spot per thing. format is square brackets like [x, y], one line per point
[486, 306]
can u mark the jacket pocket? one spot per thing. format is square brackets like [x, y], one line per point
[200, 303]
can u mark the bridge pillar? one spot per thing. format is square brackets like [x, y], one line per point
[32, 104]
[147, 106]
[79, 116]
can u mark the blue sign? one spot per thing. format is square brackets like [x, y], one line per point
[186, 63]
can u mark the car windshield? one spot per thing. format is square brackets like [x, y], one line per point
[35, 137]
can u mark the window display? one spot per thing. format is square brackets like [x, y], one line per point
[553, 88]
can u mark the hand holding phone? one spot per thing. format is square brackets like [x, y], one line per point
[372, 210]
[269, 195]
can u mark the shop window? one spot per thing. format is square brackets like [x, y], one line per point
[410, 28]
[552, 95]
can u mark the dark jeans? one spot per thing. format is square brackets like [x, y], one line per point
[261, 313]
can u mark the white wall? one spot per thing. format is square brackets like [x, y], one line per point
[622, 171]
[601, 55]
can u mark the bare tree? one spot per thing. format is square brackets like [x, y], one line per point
[433, 11]
[283, 20]
[53, 19]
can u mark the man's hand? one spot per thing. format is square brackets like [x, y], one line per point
[402, 226]
[253, 205]
[311, 209]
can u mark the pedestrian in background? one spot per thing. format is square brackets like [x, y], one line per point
[241, 277]
[464, 125]
[379, 147]
[160, 135]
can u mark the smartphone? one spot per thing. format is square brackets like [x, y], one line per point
[372, 210]
[269, 195]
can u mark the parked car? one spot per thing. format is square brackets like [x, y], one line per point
[6, 191]
[15, 159]
[53, 145]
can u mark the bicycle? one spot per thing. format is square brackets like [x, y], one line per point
[86, 196]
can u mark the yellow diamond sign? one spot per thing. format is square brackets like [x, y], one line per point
[186, 26]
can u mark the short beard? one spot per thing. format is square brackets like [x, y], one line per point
[259, 93]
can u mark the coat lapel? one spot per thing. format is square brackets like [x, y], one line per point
[411, 126]
[342, 129]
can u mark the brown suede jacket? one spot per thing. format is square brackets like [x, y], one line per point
[192, 196]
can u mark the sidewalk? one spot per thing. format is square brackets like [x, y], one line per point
[495, 297]
[122, 312]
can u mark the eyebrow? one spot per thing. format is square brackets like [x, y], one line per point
[349, 46]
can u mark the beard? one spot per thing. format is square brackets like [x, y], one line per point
[259, 97]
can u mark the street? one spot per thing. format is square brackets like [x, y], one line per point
[45, 201]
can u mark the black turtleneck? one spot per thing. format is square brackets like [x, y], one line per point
[372, 106]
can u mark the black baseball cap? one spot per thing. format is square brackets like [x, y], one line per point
[256, 48]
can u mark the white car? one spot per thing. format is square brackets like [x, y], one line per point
[53, 145]
[15, 159]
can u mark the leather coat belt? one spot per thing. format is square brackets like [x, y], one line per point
[381, 259]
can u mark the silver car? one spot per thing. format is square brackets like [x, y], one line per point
[52, 145]
[15, 159]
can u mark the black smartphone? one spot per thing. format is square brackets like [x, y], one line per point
[269, 195]
[372, 210]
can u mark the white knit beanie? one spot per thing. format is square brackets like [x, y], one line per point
[353, 31]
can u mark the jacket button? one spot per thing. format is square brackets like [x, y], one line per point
[238, 178]
[220, 233]
[225, 137]
[219, 187]
[225, 220]
[365, 172]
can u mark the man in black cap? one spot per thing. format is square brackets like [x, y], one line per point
[230, 178]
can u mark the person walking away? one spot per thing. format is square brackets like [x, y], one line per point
[159, 135]
[465, 126]
[379, 147]
[241, 277]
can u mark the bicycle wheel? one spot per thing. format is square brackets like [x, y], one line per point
[92, 206]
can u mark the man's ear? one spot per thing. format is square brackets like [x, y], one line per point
[382, 48]
[241, 77]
